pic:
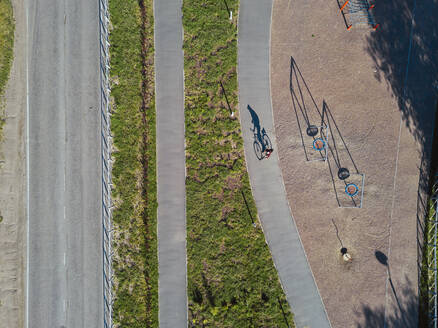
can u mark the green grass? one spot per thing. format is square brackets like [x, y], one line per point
[135, 262]
[426, 275]
[232, 281]
[7, 26]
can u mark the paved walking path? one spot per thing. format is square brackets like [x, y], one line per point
[265, 175]
[171, 164]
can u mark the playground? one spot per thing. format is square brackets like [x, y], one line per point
[353, 88]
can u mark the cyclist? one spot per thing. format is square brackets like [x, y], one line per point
[268, 152]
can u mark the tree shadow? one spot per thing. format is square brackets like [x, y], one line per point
[404, 315]
[405, 51]
[427, 175]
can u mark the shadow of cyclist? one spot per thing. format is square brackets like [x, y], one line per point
[256, 122]
[262, 144]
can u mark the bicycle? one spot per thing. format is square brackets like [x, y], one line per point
[261, 143]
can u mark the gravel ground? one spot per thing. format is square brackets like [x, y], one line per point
[12, 186]
[317, 64]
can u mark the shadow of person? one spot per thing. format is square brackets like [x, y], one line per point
[262, 143]
[406, 317]
[256, 127]
[256, 122]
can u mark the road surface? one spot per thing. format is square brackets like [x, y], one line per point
[172, 258]
[64, 287]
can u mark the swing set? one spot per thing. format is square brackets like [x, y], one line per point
[357, 13]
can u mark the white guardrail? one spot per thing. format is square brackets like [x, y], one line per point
[106, 140]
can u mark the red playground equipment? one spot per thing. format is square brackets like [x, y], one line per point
[357, 13]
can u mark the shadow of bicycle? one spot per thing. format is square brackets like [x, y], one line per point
[261, 139]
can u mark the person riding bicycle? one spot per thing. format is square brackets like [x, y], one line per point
[268, 152]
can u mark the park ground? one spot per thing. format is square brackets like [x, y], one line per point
[380, 116]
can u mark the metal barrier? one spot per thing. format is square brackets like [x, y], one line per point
[431, 257]
[106, 144]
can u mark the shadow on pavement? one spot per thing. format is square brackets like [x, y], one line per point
[262, 142]
[304, 105]
[307, 114]
[405, 315]
[415, 87]
[427, 176]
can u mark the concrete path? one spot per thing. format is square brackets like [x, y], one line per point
[169, 83]
[265, 175]
[64, 167]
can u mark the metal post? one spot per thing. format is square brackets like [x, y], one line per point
[230, 13]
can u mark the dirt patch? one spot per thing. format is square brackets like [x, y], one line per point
[12, 186]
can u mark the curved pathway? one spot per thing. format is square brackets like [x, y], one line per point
[169, 84]
[265, 175]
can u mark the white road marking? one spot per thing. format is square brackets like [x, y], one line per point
[64, 258]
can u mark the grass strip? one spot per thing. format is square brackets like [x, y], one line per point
[427, 275]
[135, 262]
[232, 281]
[7, 26]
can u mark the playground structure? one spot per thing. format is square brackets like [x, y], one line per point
[316, 143]
[320, 141]
[341, 57]
[349, 191]
[357, 13]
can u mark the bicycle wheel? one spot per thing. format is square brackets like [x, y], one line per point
[258, 150]
[267, 142]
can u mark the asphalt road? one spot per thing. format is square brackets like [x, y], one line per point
[64, 168]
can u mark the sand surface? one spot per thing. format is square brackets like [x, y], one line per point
[323, 74]
[12, 185]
